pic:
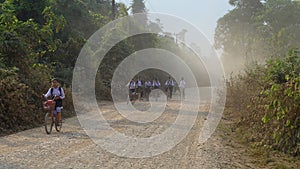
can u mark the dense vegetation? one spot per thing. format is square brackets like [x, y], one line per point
[281, 95]
[263, 36]
[266, 101]
[40, 40]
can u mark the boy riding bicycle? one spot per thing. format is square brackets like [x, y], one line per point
[57, 92]
[169, 85]
[131, 86]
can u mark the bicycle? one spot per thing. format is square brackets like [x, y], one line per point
[50, 118]
[169, 90]
[156, 93]
[132, 97]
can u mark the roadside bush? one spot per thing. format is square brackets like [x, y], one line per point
[266, 100]
[282, 109]
[243, 103]
[18, 110]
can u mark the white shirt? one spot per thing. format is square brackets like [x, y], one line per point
[56, 92]
[131, 85]
[147, 84]
[156, 84]
[182, 84]
[139, 83]
[170, 82]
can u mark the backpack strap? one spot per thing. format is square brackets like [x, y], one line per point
[59, 88]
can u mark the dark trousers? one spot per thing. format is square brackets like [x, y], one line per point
[170, 88]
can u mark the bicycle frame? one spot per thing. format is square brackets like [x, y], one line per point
[50, 118]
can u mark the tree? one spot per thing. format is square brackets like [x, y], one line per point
[280, 28]
[24, 42]
[138, 6]
[31, 9]
[256, 30]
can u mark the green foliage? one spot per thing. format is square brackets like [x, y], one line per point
[22, 42]
[82, 19]
[42, 39]
[30, 9]
[26, 38]
[19, 110]
[257, 30]
[267, 100]
[282, 96]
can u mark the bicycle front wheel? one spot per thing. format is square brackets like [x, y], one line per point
[48, 123]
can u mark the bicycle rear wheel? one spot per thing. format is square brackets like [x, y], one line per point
[48, 123]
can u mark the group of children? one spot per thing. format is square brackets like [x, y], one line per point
[142, 89]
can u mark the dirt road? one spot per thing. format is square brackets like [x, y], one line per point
[72, 148]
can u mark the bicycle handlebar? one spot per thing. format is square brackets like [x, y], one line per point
[44, 97]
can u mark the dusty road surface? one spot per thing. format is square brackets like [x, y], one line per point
[72, 148]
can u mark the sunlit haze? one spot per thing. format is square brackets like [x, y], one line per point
[201, 13]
